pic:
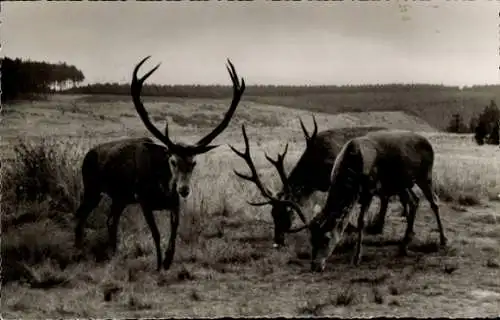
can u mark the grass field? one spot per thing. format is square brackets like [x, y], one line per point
[225, 264]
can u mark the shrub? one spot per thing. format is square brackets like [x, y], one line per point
[40, 190]
[45, 170]
[457, 124]
[487, 129]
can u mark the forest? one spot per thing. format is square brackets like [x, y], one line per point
[27, 79]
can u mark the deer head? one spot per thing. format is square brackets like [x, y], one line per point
[182, 156]
[279, 200]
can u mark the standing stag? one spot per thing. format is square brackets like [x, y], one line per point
[388, 162]
[139, 171]
[310, 174]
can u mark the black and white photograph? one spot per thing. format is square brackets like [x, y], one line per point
[186, 159]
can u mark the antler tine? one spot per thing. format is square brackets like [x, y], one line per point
[306, 134]
[315, 130]
[254, 177]
[317, 218]
[238, 89]
[280, 167]
[295, 230]
[309, 137]
[135, 91]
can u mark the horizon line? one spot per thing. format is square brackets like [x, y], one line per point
[303, 85]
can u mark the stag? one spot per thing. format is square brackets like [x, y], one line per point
[387, 162]
[310, 174]
[382, 163]
[132, 171]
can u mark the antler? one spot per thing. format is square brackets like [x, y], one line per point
[254, 177]
[313, 221]
[238, 90]
[135, 90]
[279, 165]
[202, 145]
[319, 217]
[309, 138]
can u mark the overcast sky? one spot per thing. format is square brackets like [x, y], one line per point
[308, 42]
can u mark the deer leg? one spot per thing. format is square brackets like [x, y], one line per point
[404, 213]
[150, 220]
[170, 252]
[113, 222]
[407, 198]
[416, 201]
[377, 226]
[89, 202]
[365, 201]
[434, 201]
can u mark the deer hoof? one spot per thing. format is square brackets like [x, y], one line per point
[167, 264]
[356, 260]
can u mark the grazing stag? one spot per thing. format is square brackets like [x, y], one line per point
[384, 163]
[139, 171]
[310, 174]
[388, 162]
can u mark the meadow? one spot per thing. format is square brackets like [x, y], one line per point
[225, 264]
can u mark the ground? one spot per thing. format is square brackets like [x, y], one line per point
[225, 264]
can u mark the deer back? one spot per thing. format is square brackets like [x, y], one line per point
[313, 169]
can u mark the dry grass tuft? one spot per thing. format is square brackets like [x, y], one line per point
[378, 295]
[345, 297]
[312, 308]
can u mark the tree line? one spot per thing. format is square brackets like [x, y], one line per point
[30, 79]
[486, 126]
[27, 78]
[225, 91]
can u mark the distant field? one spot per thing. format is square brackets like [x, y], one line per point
[434, 104]
[224, 265]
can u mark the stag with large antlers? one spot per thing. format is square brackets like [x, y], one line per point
[139, 171]
[310, 174]
[382, 163]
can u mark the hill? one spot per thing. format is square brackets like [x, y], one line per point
[435, 104]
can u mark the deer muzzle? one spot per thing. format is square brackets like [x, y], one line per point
[183, 191]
